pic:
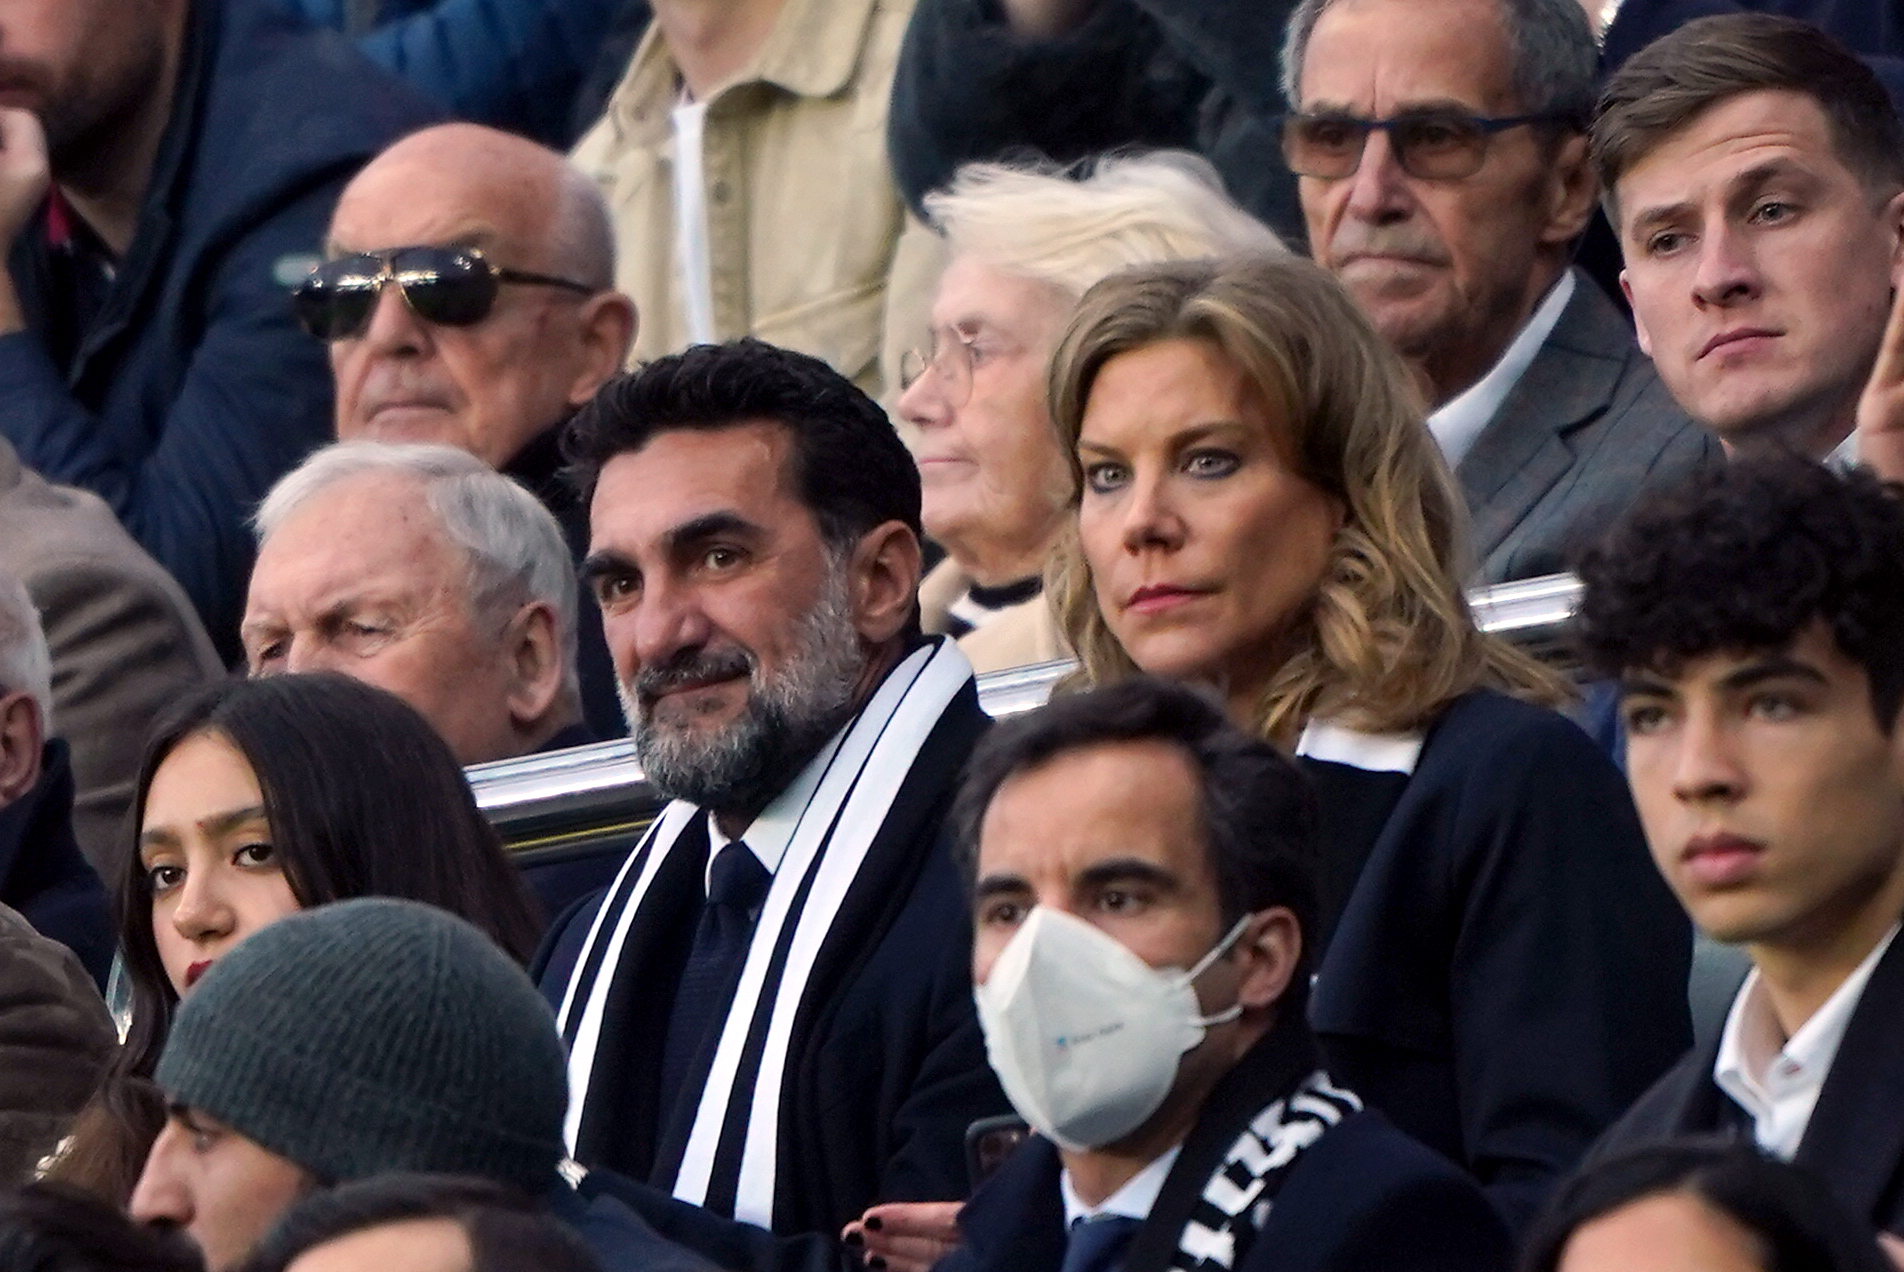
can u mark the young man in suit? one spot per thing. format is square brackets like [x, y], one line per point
[1755, 622]
[1143, 898]
[769, 1014]
[1754, 169]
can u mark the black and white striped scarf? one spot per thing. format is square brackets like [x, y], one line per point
[859, 774]
[1237, 1200]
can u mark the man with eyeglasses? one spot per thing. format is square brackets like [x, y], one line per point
[468, 299]
[1444, 179]
[162, 164]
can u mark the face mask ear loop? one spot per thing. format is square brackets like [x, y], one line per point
[1204, 964]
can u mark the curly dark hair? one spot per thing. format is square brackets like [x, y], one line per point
[852, 471]
[1744, 557]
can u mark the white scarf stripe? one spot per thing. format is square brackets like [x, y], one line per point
[864, 769]
[664, 830]
[893, 754]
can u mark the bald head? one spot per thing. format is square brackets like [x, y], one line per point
[491, 185]
[494, 385]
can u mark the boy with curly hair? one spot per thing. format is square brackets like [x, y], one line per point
[1754, 620]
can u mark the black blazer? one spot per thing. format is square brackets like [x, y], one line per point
[1507, 971]
[1363, 1196]
[886, 1067]
[1855, 1139]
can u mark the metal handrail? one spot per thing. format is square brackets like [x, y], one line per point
[573, 799]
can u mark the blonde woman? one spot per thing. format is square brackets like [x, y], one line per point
[1024, 243]
[1261, 510]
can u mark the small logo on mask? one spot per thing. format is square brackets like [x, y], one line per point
[1064, 1042]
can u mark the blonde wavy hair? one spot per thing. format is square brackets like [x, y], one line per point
[1388, 640]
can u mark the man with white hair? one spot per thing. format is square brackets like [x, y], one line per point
[42, 874]
[468, 298]
[419, 569]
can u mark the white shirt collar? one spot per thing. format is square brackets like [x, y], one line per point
[1459, 421]
[1777, 1079]
[1132, 1201]
[1844, 457]
[770, 832]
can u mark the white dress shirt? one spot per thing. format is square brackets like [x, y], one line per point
[769, 833]
[1777, 1079]
[690, 220]
[1132, 1201]
[1844, 457]
[1460, 420]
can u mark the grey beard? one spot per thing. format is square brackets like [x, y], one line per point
[741, 767]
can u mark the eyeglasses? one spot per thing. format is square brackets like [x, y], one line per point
[1432, 145]
[952, 359]
[449, 286]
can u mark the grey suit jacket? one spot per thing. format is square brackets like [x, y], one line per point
[124, 639]
[1587, 429]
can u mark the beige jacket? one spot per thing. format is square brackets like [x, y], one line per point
[810, 244]
[124, 640]
[1014, 637]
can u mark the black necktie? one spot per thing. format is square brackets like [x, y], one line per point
[1097, 1244]
[736, 886]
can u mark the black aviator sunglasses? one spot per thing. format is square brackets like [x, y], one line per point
[448, 286]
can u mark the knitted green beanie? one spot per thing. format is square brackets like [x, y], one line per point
[375, 1035]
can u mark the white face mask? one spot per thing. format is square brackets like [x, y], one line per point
[1084, 1035]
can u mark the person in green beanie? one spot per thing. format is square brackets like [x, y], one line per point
[358, 1038]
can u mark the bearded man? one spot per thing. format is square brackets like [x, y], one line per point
[769, 1012]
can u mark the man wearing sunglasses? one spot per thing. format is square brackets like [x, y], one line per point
[161, 161]
[1444, 180]
[468, 299]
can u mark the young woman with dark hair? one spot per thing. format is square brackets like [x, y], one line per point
[1718, 1205]
[258, 798]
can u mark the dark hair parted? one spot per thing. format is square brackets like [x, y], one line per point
[49, 1227]
[507, 1230]
[1743, 557]
[362, 799]
[1666, 85]
[1791, 1217]
[1259, 809]
[850, 468]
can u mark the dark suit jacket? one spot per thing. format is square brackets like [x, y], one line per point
[1588, 428]
[1363, 1196]
[886, 1067]
[1507, 971]
[1855, 1139]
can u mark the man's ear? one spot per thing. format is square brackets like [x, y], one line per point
[1573, 191]
[1267, 957]
[607, 325]
[1893, 221]
[1640, 333]
[885, 571]
[533, 644]
[22, 737]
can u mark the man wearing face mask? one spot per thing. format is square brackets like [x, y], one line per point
[1142, 889]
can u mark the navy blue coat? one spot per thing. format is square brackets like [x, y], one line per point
[194, 390]
[1854, 1142]
[513, 64]
[1364, 1196]
[885, 1069]
[43, 874]
[1507, 971]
